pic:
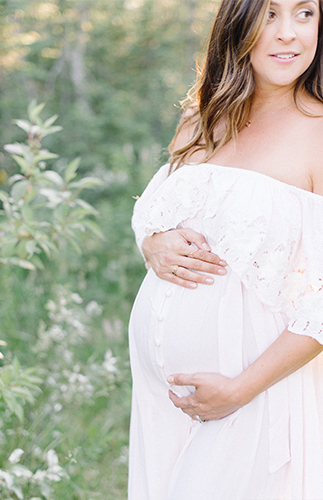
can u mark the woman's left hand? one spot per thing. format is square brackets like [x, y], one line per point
[215, 396]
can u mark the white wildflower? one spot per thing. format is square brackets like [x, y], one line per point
[109, 363]
[93, 309]
[21, 471]
[16, 456]
[76, 298]
[52, 458]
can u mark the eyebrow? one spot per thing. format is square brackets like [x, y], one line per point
[299, 3]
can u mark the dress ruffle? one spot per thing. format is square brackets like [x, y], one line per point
[270, 233]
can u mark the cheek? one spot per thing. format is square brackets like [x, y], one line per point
[257, 54]
[309, 39]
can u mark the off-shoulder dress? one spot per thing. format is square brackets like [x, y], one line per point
[271, 235]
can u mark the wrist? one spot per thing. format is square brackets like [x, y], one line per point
[241, 391]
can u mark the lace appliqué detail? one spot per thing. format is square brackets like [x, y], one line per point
[254, 224]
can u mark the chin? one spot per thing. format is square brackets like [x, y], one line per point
[279, 81]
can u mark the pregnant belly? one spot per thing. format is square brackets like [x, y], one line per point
[177, 330]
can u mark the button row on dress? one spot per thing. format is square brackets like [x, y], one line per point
[158, 337]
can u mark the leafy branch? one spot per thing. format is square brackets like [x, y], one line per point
[42, 206]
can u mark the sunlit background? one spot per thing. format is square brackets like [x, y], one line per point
[114, 71]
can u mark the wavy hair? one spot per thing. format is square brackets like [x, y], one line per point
[222, 96]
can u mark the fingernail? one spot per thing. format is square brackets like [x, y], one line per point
[193, 285]
[222, 272]
[206, 246]
[170, 379]
[209, 281]
[223, 263]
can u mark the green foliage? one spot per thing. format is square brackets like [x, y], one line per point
[16, 479]
[42, 205]
[17, 386]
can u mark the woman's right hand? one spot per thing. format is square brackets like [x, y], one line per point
[180, 256]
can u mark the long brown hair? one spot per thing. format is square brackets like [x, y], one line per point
[225, 84]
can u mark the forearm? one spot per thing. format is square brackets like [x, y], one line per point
[286, 355]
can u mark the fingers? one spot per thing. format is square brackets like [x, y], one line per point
[194, 273]
[186, 404]
[165, 252]
[183, 379]
[207, 257]
[196, 238]
[182, 282]
[205, 267]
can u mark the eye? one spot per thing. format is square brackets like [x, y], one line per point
[271, 15]
[306, 14]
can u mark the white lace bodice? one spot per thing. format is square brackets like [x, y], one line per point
[270, 233]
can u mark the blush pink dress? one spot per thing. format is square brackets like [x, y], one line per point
[271, 235]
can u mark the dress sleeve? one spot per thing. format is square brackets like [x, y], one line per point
[138, 220]
[308, 316]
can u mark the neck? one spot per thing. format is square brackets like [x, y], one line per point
[266, 100]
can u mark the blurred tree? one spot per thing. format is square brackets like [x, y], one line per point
[113, 69]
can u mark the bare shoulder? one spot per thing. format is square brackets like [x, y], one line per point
[186, 128]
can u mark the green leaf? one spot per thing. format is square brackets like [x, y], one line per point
[3, 196]
[35, 110]
[71, 169]
[14, 149]
[12, 403]
[54, 197]
[31, 247]
[19, 189]
[73, 243]
[23, 124]
[51, 130]
[79, 214]
[15, 178]
[50, 121]
[30, 195]
[6, 374]
[44, 156]
[89, 208]
[8, 248]
[53, 176]
[27, 213]
[86, 182]
[31, 106]
[45, 247]
[23, 164]
[60, 212]
[25, 264]
[37, 262]
[94, 228]
[16, 366]
[21, 249]
[23, 393]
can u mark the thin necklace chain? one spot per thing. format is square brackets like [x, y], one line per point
[249, 122]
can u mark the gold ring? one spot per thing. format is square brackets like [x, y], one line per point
[174, 271]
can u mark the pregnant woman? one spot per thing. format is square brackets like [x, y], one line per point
[227, 378]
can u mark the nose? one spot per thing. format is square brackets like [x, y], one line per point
[285, 30]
